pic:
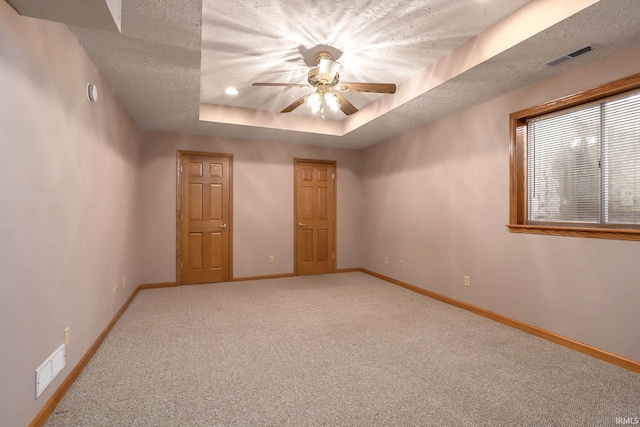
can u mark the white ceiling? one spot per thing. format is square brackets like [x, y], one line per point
[276, 41]
[173, 59]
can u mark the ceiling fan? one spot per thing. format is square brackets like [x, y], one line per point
[325, 77]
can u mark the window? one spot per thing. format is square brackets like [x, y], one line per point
[575, 164]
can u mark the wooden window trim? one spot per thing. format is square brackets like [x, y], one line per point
[518, 164]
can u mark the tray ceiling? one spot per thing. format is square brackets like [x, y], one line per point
[172, 59]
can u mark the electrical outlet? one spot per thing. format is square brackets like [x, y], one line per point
[115, 289]
[271, 259]
[66, 336]
[386, 260]
[401, 264]
[467, 281]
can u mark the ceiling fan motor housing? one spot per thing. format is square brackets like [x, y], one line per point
[314, 78]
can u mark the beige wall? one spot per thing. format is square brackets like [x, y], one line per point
[437, 198]
[68, 228]
[262, 202]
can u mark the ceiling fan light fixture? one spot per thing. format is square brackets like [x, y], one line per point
[323, 78]
[332, 102]
[314, 102]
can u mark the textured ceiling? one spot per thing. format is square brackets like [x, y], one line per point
[276, 41]
[172, 56]
[97, 14]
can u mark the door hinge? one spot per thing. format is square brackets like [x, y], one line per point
[180, 265]
[180, 168]
[333, 176]
[334, 255]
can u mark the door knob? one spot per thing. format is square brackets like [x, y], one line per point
[301, 224]
[222, 226]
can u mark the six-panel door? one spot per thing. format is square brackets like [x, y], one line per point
[205, 219]
[315, 218]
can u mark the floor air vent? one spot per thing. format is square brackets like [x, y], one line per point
[570, 56]
[49, 369]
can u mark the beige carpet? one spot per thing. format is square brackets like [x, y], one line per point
[333, 350]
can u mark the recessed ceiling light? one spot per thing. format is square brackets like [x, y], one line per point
[231, 91]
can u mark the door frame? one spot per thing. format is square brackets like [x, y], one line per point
[179, 154]
[334, 163]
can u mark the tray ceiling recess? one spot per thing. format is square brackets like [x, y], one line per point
[173, 60]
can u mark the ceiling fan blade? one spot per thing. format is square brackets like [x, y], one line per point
[346, 107]
[327, 69]
[281, 84]
[295, 105]
[368, 87]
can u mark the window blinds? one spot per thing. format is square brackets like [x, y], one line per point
[584, 164]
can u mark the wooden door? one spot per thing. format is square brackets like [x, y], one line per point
[205, 218]
[315, 217]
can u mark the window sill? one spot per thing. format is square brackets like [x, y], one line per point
[597, 233]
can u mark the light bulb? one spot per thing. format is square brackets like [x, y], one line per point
[331, 101]
[314, 102]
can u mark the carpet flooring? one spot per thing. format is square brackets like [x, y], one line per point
[333, 350]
